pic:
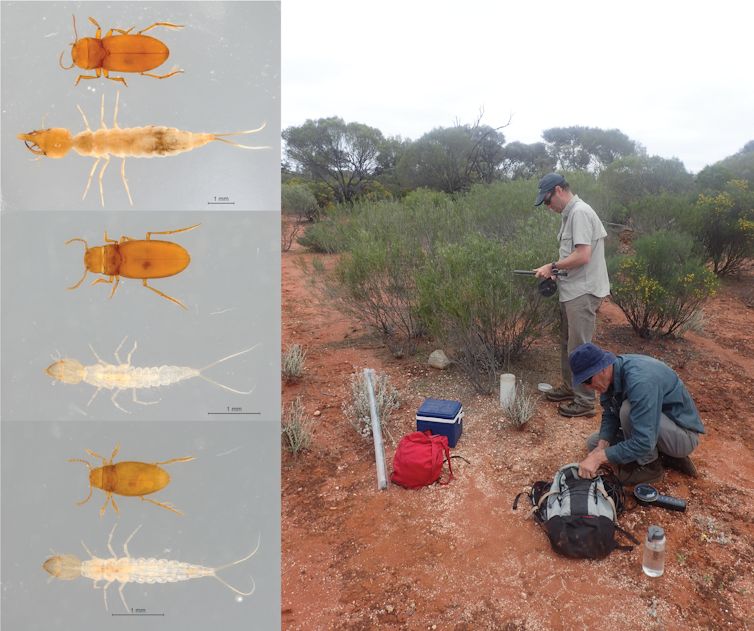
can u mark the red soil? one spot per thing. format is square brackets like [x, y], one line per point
[457, 557]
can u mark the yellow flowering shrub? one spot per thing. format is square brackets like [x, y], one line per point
[663, 285]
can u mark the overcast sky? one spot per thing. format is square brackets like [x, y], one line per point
[675, 76]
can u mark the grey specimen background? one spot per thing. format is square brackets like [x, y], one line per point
[229, 496]
[230, 53]
[231, 288]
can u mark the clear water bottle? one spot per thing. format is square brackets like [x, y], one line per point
[653, 563]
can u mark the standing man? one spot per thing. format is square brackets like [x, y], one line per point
[648, 413]
[582, 255]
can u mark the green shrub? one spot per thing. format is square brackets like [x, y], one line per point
[472, 303]
[299, 201]
[663, 285]
[330, 235]
[660, 212]
[725, 227]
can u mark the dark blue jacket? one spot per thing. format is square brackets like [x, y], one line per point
[652, 388]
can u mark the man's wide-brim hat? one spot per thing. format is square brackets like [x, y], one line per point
[587, 360]
[546, 183]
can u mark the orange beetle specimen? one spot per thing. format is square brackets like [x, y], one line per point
[119, 53]
[133, 258]
[130, 479]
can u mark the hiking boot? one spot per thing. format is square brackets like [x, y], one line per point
[633, 473]
[560, 394]
[684, 465]
[574, 409]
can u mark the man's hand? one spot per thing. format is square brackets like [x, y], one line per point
[588, 467]
[544, 272]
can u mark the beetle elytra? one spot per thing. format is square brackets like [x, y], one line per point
[129, 479]
[67, 567]
[134, 258]
[119, 53]
[139, 142]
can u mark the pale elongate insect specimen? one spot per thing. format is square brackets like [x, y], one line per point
[125, 376]
[67, 567]
[139, 142]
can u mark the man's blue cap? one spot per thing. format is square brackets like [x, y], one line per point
[587, 360]
[546, 183]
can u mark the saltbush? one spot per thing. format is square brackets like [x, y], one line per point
[663, 285]
[358, 413]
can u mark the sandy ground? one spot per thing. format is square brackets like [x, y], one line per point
[458, 557]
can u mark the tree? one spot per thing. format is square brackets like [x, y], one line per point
[587, 148]
[526, 161]
[633, 177]
[451, 159]
[747, 148]
[343, 156]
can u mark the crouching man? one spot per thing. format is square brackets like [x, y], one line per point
[645, 399]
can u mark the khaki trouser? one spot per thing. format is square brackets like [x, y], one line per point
[577, 318]
[672, 440]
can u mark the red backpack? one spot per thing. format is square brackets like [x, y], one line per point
[418, 460]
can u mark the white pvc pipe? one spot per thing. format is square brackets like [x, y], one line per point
[379, 446]
[507, 389]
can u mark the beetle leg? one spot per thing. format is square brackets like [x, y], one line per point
[112, 398]
[104, 460]
[123, 175]
[104, 591]
[110, 240]
[101, 194]
[120, 362]
[107, 76]
[102, 280]
[165, 76]
[164, 295]
[99, 28]
[143, 402]
[118, 447]
[125, 545]
[86, 76]
[110, 541]
[165, 24]
[173, 231]
[95, 392]
[90, 554]
[98, 359]
[120, 591]
[115, 506]
[93, 168]
[146, 499]
[175, 460]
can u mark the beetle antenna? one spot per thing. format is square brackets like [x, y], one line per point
[60, 61]
[90, 486]
[63, 53]
[85, 270]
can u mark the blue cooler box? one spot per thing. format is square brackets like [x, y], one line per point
[442, 417]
